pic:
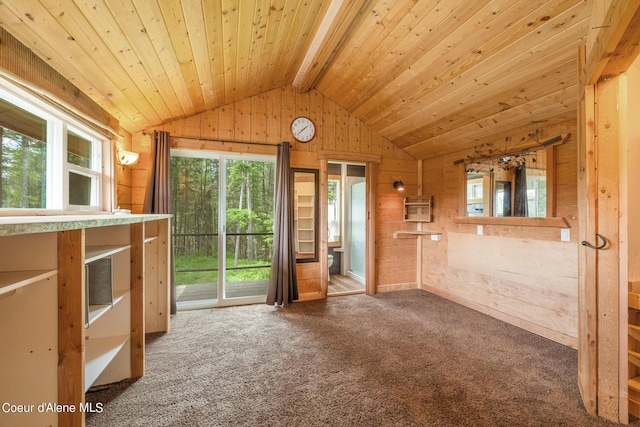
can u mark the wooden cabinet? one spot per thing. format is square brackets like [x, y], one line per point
[74, 304]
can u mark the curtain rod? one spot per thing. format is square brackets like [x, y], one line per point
[224, 141]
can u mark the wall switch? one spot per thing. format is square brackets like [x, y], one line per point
[480, 230]
[565, 234]
[436, 237]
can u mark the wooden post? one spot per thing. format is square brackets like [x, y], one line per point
[137, 299]
[71, 322]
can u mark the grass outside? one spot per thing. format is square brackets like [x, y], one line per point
[202, 262]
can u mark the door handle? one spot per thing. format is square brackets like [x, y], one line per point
[589, 245]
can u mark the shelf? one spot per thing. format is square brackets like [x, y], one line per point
[93, 253]
[418, 208]
[634, 358]
[99, 353]
[150, 239]
[95, 311]
[552, 222]
[414, 233]
[12, 280]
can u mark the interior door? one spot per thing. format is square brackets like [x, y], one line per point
[357, 215]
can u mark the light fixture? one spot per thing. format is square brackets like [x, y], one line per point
[125, 157]
[398, 185]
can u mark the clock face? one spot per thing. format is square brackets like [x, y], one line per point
[303, 129]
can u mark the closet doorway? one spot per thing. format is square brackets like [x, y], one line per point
[347, 234]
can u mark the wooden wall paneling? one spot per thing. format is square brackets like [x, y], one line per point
[354, 135]
[242, 120]
[71, 321]
[226, 122]
[329, 126]
[608, 128]
[342, 129]
[274, 117]
[288, 114]
[259, 118]
[209, 123]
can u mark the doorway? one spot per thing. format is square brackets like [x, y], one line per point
[223, 209]
[347, 219]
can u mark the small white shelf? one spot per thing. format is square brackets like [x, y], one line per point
[12, 280]
[99, 353]
[95, 311]
[93, 253]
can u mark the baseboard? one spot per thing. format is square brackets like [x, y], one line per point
[396, 287]
[309, 296]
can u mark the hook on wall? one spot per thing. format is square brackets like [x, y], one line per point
[589, 245]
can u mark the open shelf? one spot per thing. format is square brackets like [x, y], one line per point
[95, 311]
[93, 253]
[99, 353]
[12, 280]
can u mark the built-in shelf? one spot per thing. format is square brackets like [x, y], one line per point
[95, 311]
[418, 208]
[13, 280]
[150, 239]
[554, 222]
[99, 353]
[93, 253]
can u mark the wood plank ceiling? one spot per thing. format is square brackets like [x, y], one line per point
[434, 77]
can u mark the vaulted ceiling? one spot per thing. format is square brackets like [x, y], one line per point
[433, 76]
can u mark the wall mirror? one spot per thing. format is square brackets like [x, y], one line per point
[305, 202]
[514, 185]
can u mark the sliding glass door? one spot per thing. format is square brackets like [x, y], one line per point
[223, 220]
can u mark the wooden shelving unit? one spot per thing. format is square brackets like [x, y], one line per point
[55, 345]
[304, 205]
[418, 208]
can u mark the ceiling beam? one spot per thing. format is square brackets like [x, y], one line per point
[335, 27]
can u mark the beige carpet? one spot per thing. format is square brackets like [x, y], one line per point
[397, 359]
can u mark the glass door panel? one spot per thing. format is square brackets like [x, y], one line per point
[357, 228]
[248, 227]
[194, 190]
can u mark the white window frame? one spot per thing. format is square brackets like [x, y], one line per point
[58, 168]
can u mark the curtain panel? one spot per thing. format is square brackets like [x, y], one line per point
[283, 282]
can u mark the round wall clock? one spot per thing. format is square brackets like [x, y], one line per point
[303, 129]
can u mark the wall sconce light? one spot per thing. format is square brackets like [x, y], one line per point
[398, 185]
[125, 157]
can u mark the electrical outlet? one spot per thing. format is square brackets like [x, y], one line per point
[565, 234]
[480, 230]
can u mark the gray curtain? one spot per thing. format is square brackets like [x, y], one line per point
[520, 192]
[283, 282]
[158, 197]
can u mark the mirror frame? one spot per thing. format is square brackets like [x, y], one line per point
[313, 257]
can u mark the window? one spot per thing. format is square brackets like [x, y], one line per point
[34, 171]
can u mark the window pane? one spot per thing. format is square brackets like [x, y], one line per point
[79, 151]
[79, 189]
[23, 158]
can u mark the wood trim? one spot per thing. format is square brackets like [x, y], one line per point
[348, 156]
[556, 222]
[601, 56]
[137, 300]
[372, 185]
[71, 321]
